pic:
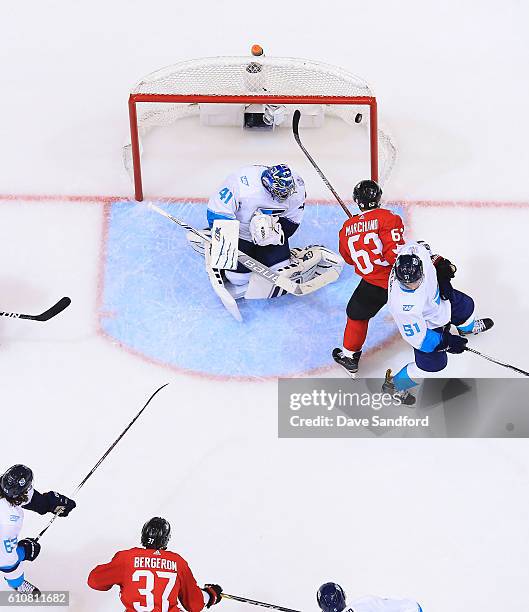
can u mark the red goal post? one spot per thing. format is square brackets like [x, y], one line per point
[180, 90]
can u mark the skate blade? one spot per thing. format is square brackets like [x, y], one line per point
[350, 374]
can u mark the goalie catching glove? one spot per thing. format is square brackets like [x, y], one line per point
[266, 230]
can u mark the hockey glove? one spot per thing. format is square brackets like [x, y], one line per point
[445, 268]
[215, 594]
[266, 230]
[451, 343]
[446, 271]
[61, 504]
[31, 548]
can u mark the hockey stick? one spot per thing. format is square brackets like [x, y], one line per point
[45, 316]
[260, 269]
[295, 129]
[245, 260]
[81, 484]
[257, 603]
[505, 365]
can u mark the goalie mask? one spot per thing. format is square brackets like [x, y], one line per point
[279, 182]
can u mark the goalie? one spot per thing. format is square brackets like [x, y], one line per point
[268, 203]
[256, 211]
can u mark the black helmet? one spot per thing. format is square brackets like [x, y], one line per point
[367, 195]
[331, 597]
[155, 533]
[408, 269]
[16, 481]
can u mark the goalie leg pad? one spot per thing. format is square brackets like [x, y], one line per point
[315, 265]
[261, 289]
[224, 295]
[315, 260]
[318, 266]
[238, 278]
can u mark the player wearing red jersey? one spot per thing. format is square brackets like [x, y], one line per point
[153, 579]
[368, 242]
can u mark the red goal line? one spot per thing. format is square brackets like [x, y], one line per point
[107, 199]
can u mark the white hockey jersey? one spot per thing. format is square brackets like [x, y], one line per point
[417, 312]
[11, 521]
[377, 604]
[242, 194]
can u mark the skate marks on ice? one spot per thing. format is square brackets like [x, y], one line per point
[157, 301]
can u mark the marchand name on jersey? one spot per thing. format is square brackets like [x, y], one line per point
[361, 226]
[155, 563]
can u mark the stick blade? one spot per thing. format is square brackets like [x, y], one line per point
[61, 305]
[295, 122]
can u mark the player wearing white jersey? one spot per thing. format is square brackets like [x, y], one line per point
[268, 202]
[16, 495]
[331, 598]
[275, 191]
[255, 211]
[424, 305]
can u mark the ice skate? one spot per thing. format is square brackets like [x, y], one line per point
[350, 364]
[27, 587]
[389, 387]
[480, 325]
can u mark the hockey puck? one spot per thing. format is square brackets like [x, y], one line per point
[358, 117]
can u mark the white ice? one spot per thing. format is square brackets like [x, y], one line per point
[443, 521]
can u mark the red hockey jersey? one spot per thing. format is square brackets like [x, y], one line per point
[155, 580]
[369, 241]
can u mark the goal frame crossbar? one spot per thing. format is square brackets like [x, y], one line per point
[136, 98]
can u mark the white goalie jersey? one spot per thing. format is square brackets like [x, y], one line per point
[242, 195]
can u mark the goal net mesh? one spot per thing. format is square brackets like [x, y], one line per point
[260, 76]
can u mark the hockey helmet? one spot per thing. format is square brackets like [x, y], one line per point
[16, 481]
[367, 194]
[408, 269]
[331, 597]
[156, 533]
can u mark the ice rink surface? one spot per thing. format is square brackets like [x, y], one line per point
[442, 521]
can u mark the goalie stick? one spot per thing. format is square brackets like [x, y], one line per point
[81, 484]
[295, 129]
[260, 269]
[61, 305]
[257, 603]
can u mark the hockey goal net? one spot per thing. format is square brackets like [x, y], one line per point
[238, 87]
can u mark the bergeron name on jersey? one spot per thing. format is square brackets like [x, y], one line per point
[155, 563]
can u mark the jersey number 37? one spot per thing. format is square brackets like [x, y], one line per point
[148, 591]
